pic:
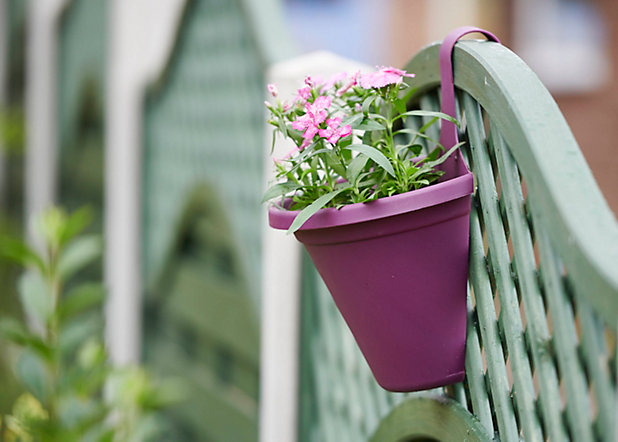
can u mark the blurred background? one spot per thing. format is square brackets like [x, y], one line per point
[152, 114]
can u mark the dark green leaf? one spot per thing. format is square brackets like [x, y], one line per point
[19, 252]
[416, 149]
[400, 106]
[310, 210]
[375, 155]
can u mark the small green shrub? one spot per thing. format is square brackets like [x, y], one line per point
[72, 392]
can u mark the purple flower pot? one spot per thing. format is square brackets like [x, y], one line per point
[397, 269]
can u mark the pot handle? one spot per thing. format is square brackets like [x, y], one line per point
[448, 130]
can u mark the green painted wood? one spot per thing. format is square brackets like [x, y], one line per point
[203, 123]
[486, 326]
[499, 265]
[524, 262]
[535, 360]
[201, 326]
[549, 160]
[459, 393]
[80, 86]
[433, 418]
[214, 410]
[565, 338]
[594, 347]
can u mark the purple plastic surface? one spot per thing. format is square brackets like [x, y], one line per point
[454, 165]
[457, 187]
[400, 284]
[397, 267]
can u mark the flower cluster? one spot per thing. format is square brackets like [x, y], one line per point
[345, 131]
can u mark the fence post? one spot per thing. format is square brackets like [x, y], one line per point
[141, 38]
[41, 141]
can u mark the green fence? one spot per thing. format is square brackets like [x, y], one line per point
[543, 298]
[80, 103]
[202, 184]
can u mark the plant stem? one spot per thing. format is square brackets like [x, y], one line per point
[54, 289]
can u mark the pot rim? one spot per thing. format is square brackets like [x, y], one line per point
[460, 186]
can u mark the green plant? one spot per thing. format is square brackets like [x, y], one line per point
[72, 391]
[346, 131]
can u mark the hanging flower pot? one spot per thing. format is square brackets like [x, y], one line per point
[396, 266]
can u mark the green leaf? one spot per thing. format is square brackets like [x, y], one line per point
[78, 254]
[35, 297]
[367, 103]
[80, 299]
[416, 134]
[14, 331]
[279, 189]
[75, 224]
[353, 120]
[73, 334]
[311, 209]
[416, 149]
[400, 106]
[355, 167]
[91, 354]
[19, 252]
[411, 150]
[427, 125]
[425, 113]
[282, 127]
[31, 372]
[375, 155]
[442, 159]
[50, 226]
[370, 125]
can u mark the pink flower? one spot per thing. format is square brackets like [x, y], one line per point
[353, 82]
[333, 132]
[383, 77]
[316, 114]
[313, 81]
[304, 93]
[332, 81]
[272, 88]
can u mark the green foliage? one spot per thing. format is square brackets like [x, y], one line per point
[12, 130]
[365, 112]
[72, 391]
